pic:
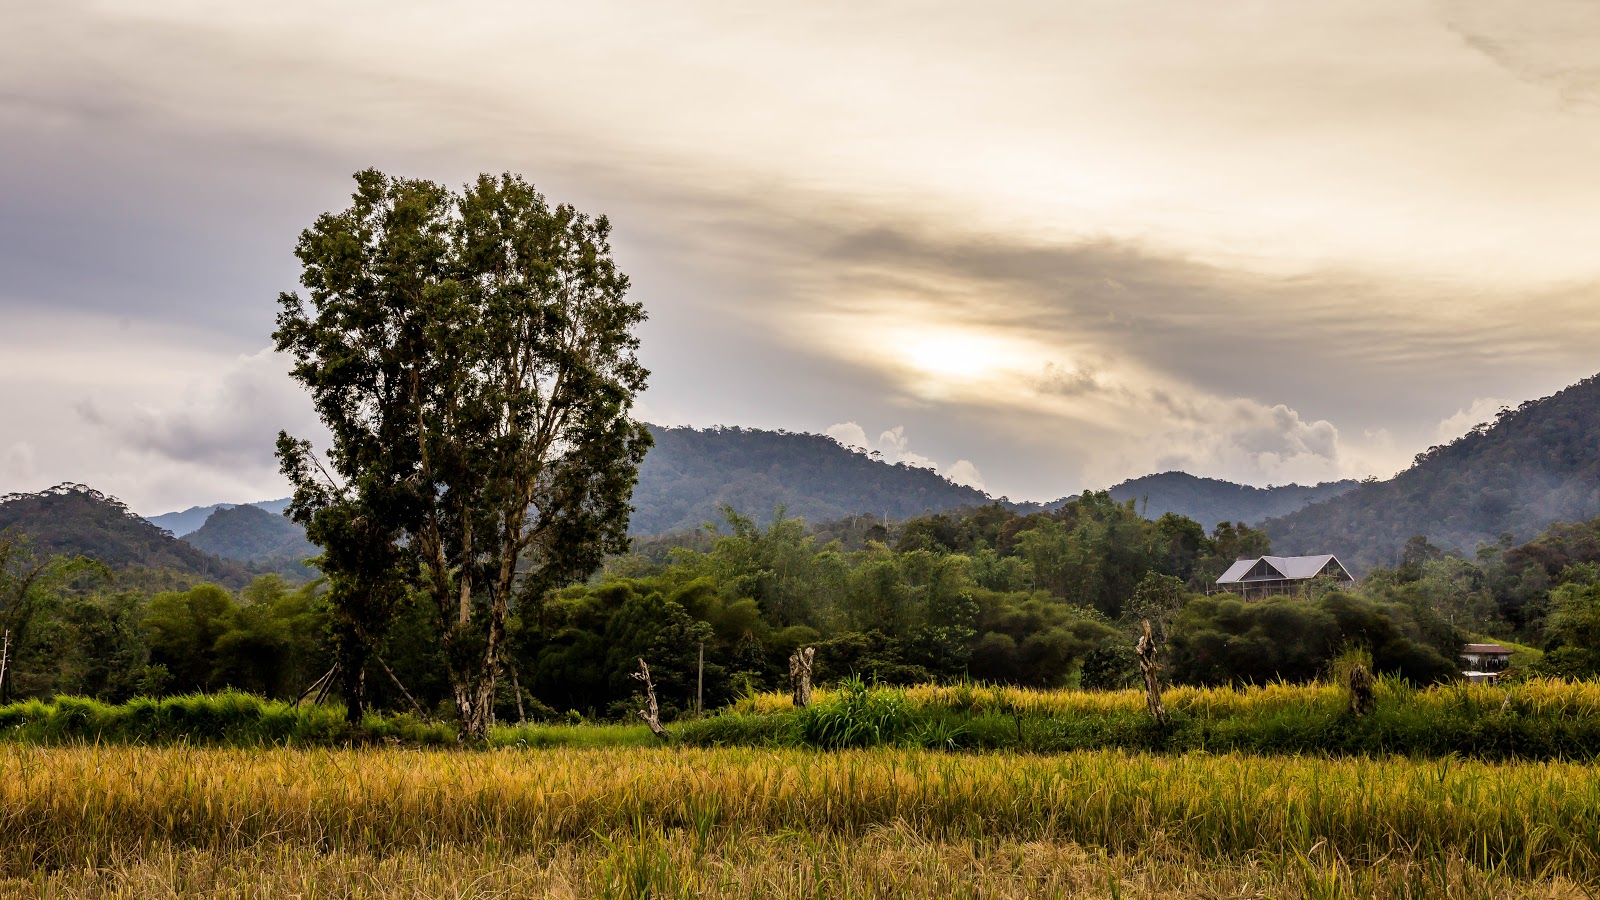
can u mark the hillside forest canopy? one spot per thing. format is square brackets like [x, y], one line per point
[1046, 599]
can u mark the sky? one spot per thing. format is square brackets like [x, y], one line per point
[1039, 246]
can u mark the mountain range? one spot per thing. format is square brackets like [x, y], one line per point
[189, 520]
[1533, 465]
[1210, 501]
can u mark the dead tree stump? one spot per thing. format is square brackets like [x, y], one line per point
[1148, 667]
[651, 714]
[800, 676]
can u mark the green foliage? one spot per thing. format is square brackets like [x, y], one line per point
[76, 520]
[941, 599]
[691, 474]
[250, 534]
[1573, 631]
[856, 716]
[270, 640]
[1533, 465]
[1533, 720]
[1224, 640]
[473, 356]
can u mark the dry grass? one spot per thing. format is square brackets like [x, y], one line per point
[131, 821]
[886, 863]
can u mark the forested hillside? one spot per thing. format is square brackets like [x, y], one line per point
[76, 519]
[1534, 465]
[250, 534]
[691, 473]
[1209, 500]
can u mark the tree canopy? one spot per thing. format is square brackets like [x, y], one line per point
[473, 356]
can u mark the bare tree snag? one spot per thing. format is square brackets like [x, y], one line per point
[522, 715]
[1146, 651]
[403, 692]
[1363, 689]
[326, 678]
[800, 676]
[651, 715]
[5, 656]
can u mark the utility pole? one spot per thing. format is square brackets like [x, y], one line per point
[700, 681]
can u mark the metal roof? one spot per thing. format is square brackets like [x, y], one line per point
[1484, 648]
[1236, 571]
[1291, 568]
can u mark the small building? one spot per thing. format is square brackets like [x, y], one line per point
[1484, 662]
[1267, 576]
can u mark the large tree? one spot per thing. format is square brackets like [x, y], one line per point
[473, 356]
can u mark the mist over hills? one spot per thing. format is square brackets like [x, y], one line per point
[1534, 465]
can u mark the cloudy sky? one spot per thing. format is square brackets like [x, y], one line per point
[1041, 246]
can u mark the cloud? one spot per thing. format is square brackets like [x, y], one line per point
[962, 471]
[1068, 382]
[1553, 44]
[17, 464]
[230, 422]
[1066, 242]
[1237, 440]
[892, 446]
[1480, 411]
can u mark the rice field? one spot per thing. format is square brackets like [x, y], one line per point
[1538, 697]
[1534, 720]
[186, 821]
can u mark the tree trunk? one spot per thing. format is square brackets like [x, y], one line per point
[522, 714]
[475, 702]
[1148, 667]
[651, 714]
[800, 676]
[352, 663]
[5, 657]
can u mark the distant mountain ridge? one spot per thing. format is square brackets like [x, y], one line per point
[690, 473]
[1210, 500]
[1537, 464]
[191, 519]
[1534, 465]
[76, 519]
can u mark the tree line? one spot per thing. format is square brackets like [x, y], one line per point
[1045, 599]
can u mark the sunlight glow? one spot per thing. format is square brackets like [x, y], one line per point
[956, 355]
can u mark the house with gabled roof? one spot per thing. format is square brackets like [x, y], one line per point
[1484, 662]
[1266, 576]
